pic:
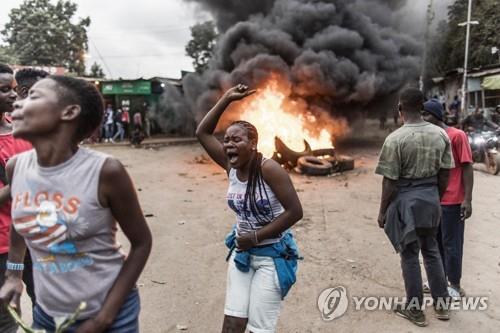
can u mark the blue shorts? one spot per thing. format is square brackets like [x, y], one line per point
[127, 320]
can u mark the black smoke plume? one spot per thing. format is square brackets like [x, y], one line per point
[340, 56]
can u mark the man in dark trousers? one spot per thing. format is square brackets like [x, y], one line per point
[415, 162]
[456, 203]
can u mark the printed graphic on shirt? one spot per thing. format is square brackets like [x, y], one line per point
[246, 219]
[54, 227]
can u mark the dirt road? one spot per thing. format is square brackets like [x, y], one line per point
[184, 281]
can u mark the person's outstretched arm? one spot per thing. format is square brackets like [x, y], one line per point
[206, 128]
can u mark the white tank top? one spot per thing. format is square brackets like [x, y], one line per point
[247, 222]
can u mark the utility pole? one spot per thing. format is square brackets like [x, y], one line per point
[467, 36]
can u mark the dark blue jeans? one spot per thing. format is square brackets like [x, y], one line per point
[127, 320]
[451, 242]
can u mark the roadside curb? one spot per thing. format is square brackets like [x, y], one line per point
[146, 144]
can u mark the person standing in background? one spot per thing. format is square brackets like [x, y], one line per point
[456, 203]
[9, 147]
[126, 121]
[26, 78]
[120, 132]
[138, 120]
[108, 124]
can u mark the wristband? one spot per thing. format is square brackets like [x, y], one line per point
[14, 266]
[255, 237]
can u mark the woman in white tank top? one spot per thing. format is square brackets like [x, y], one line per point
[67, 204]
[266, 205]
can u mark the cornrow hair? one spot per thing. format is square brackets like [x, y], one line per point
[255, 182]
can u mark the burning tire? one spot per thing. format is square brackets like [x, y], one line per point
[324, 152]
[311, 165]
[344, 163]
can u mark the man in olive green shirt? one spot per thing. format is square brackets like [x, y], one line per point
[415, 162]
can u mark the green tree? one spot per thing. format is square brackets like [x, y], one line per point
[96, 71]
[42, 33]
[201, 45]
[483, 36]
[7, 56]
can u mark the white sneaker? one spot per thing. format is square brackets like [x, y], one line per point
[455, 294]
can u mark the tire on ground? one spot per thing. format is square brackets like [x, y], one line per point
[344, 163]
[311, 165]
[324, 152]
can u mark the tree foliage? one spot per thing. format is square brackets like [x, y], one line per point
[42, 33]
[7, 56]
[201, 45]
[96, 71]
[483, 36]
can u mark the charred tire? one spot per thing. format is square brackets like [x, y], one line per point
[344, 163]
[324, 152]
[311, 165]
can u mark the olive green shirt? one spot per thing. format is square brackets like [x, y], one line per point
[415, 151]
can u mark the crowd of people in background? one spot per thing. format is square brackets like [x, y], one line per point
[118, 125]
[475, 121]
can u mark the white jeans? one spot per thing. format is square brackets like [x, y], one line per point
[255, 295]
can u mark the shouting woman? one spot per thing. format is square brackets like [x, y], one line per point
[263, 264]
[66, 202]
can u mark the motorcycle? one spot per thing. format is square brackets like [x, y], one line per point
[484, 150]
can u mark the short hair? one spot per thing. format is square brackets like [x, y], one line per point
[29, 76]
[4, 69]
[412, 99]
[77, 91]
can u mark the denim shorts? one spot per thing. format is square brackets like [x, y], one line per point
[126, 321]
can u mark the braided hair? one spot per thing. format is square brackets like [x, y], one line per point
[262, 210]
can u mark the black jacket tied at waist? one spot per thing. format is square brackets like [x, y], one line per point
[416, 206]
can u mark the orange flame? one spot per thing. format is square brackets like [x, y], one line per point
[273, 113]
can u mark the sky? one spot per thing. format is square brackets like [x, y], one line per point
[131, 38]
[146, 38]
